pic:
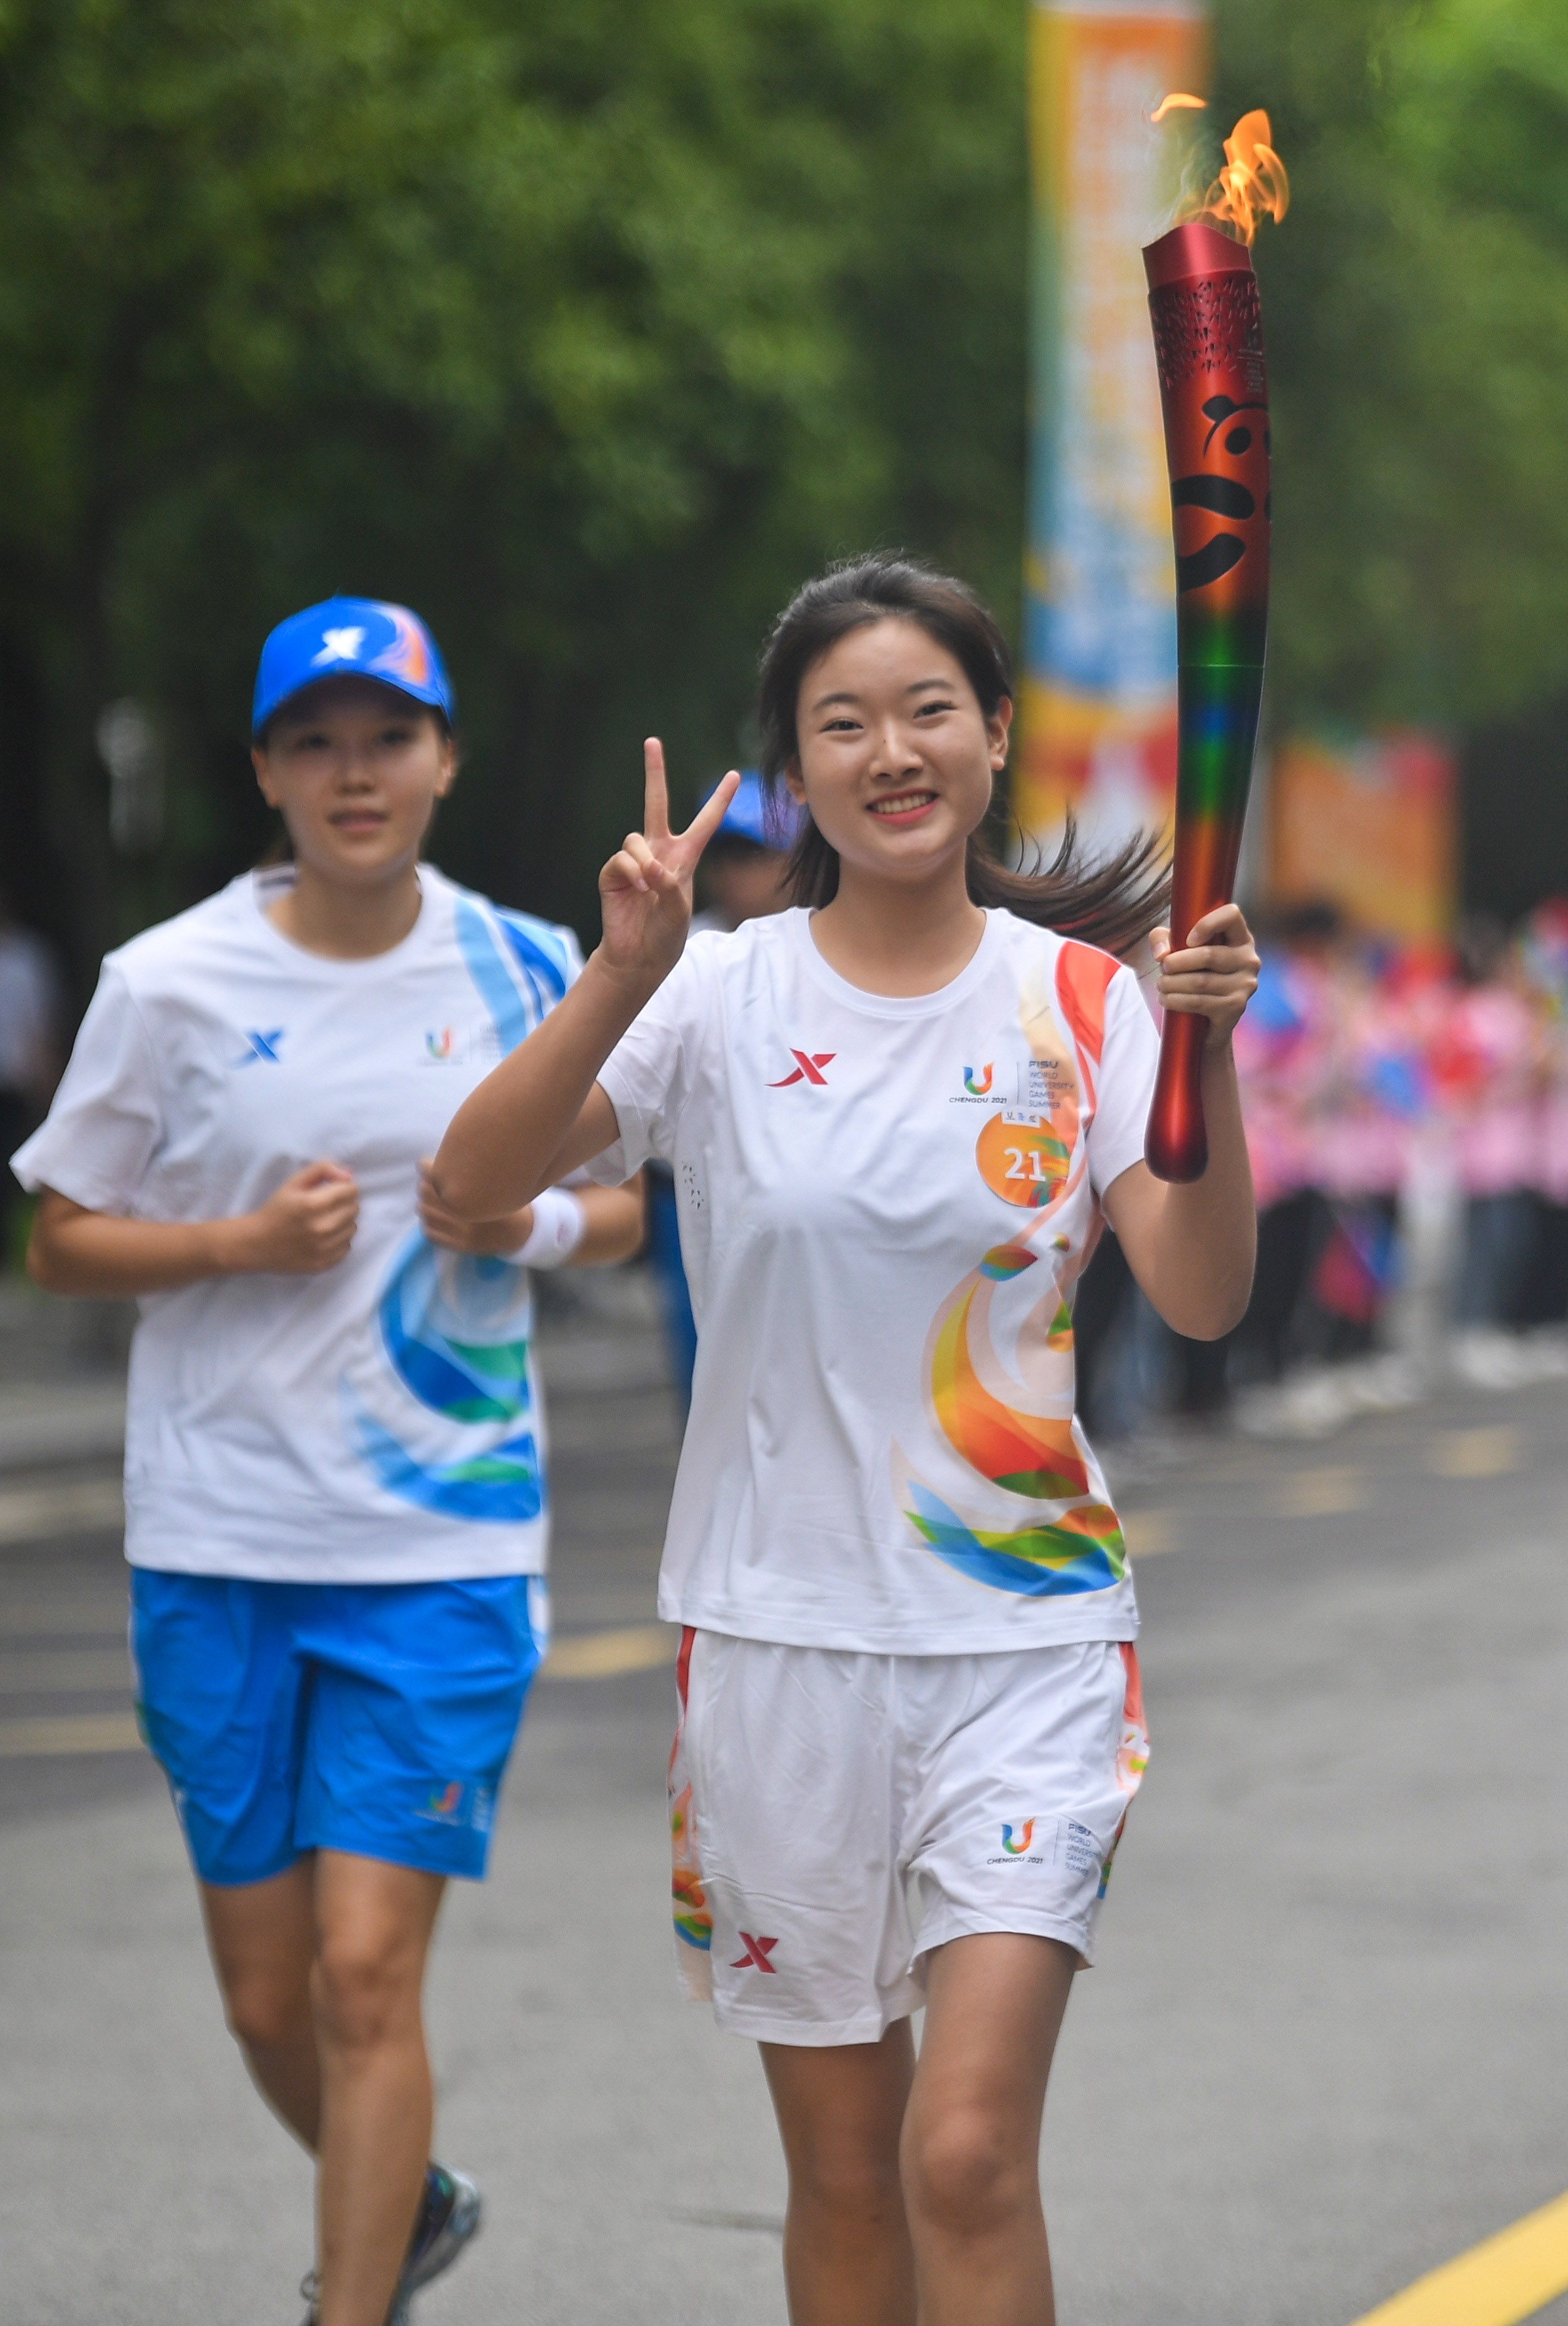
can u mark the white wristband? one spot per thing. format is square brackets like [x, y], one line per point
[560, 1225]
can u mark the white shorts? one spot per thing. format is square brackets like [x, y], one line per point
[835, 1816]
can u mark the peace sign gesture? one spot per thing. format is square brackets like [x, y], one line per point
[645, 888]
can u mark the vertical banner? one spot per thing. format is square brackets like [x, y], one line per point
[1098, 702]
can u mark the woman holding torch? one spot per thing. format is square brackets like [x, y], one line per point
[898, 1116]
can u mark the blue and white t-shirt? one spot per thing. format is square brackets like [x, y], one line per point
[379, 1423]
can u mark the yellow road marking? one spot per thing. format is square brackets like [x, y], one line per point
[69, 1732]
[602, 1655]
[1320, 1493]
[593, 1655]
[24, 1619]
[1475, 1453]
[1498, 2282]
[86, 1505]
[46, 1671]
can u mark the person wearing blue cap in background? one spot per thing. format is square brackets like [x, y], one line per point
[742, 877]
[335, 1489]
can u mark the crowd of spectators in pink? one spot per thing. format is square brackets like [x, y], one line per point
[1367, 1069]
[1406, 1111]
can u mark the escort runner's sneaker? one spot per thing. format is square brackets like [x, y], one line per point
[449, 2218]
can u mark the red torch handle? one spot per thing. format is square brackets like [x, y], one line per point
[1177, 1142]
[1214, 392]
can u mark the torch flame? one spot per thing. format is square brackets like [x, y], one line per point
[1176, 99]
[1252, 185]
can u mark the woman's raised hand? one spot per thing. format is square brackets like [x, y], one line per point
[645, 888]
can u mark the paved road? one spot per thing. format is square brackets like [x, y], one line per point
[1323, 2050]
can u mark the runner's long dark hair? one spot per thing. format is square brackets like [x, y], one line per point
[1113, 901]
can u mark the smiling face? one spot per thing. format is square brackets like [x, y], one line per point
[356, 770]
[895, 757]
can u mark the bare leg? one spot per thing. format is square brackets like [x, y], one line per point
[374, 1925]
[847, 2253]
[971, 2131]
[263, 1938]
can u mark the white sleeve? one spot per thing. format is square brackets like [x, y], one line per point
[647, 1075]
[1127, 1083]
[107, 1120]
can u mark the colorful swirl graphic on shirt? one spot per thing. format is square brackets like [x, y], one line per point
[441, 1405]
[454, 1330]
[1015, 1503]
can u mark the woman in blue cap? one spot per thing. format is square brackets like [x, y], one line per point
[336, 1507]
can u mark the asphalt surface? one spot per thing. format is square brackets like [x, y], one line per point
[1323, 2050]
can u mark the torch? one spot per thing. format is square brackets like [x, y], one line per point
[1214, 392]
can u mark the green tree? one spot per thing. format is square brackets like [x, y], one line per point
[585, 328]
[1417, 310]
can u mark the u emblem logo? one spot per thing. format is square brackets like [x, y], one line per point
[1026, 1833]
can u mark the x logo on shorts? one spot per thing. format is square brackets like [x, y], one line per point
[757, 1952]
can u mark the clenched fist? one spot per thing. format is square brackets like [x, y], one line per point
[305, 1227]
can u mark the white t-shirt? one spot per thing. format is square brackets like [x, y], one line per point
[883, 1206]
[379, 1423]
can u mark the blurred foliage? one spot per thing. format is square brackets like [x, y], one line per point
[588, 327]
[1417, 310]
[585, 328]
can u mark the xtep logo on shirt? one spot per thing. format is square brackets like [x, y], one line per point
[757, 1950]
[809, 1065]
[262, 1046]
[979, 1084]
[340, 646]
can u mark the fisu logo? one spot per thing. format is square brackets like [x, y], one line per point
[445, 1805]
[1026, 1833]
[978, 1085]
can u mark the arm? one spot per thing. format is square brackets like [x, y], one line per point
[614, 1222]
[541, 1113]
[304, 1229]
[1192, 1247]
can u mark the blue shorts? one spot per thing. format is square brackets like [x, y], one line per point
[370, 1717]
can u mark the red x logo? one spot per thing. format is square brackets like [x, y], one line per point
[808, 1065]
[757, 1950]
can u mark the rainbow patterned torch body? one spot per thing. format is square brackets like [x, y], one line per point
[1214, 391]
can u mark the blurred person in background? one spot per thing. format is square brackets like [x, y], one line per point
[910, 1715]
[741, 876]
[336, 1507]
[1281, 1048]
[31, 1011]
[1133, 1369]
[1543, 965]
[1496, 1055]
[743, 870]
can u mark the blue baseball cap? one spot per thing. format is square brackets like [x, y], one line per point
[768, 819]
[350, 637]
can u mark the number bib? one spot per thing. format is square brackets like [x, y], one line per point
[1022, 1159]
